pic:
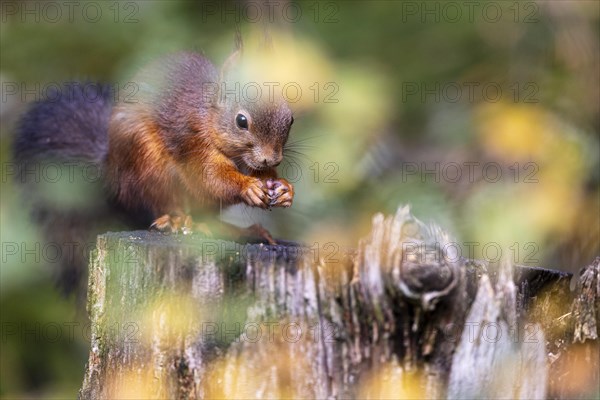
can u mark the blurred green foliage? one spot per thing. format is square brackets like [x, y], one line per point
[395, 66]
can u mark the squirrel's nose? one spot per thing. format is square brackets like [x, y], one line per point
[275, 161]
[271, 163]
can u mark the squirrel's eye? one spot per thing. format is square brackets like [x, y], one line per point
[241, 121]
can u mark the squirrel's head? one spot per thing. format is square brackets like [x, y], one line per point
[254, 120]
[253, 134]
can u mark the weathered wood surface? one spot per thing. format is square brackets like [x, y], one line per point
[187, 317]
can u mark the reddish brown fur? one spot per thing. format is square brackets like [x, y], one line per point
[170, 151]
[175, 152]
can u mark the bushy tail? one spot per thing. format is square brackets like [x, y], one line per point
[59, 150]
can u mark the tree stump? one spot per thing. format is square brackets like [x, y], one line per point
[401, 316]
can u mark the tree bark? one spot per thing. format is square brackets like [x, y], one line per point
[401, 316]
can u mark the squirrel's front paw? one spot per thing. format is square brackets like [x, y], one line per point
[255, 194]
[281, 192]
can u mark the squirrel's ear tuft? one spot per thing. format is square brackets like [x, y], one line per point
[267, 40]
[234, 59]
[237, 40]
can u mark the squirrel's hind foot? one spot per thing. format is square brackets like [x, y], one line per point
[257, 230]
[173, 223]
[179, 223]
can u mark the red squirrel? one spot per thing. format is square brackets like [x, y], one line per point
[177, 148]
[185, 146]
